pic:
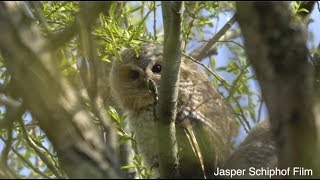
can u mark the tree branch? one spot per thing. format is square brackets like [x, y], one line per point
[222, 81]
[14, 110]
[154, 20]
[166, 108]
[51, 99]
[60, 38]
[230, 34]
[28, 163]
[5, 152]
[205, 49]
[91, 76]
[40, 152]
[277, 50]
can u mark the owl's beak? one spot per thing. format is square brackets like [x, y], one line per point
[152, 86]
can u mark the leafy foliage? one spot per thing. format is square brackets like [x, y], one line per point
[126, 24]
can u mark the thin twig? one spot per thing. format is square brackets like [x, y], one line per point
[8, 101]
[213, 40]
[100, 111]
[27, 162]
[60, 38]
[41, 153]
[230, 41]
[243, 116]
[218, 19]
[49, 153]
[143, 20]
[231, 93]
[56, 9]
[14, 110]
[6, 150]
[230, 34]
[56, 22]
[234, 84]
[213, 73]
[260, 109]
[237, 115]
[154, 20]
[142, 9]
[189, 28]
[141, 23]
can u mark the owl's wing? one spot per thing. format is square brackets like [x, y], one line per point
[197, 142]
[190, 157]
[203, 125]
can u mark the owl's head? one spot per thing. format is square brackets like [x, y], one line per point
[131, 75]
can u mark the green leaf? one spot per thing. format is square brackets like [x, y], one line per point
[127, 167]
[124, 140]
[121, 133]
[296, 5]
[303, 10]
[113, 113]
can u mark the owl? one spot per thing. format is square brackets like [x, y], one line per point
[204, 126]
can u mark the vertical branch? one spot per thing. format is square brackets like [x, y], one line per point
[154, 20]
[4, 155]
[277, 50]
[91, 71]
[14, 109]
[166, 110]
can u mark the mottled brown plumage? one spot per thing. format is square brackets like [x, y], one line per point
[258, 150]
[203, 121]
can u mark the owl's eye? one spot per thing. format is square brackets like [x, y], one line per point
[133, 74]
[156, 68]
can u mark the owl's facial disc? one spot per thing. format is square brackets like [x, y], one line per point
[133, 74]
[135, 86]
[135, 79]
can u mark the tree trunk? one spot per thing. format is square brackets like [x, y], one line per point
[276, 46]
